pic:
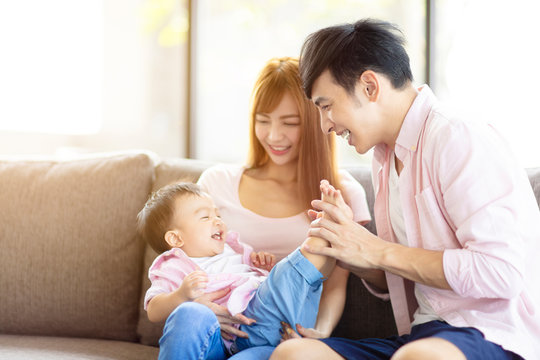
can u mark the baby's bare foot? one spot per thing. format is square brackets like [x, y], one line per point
[329, 193]
[333, 196]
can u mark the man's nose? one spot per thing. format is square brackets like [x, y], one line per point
[327, 125]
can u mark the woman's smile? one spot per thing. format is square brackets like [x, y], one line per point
[279, 150]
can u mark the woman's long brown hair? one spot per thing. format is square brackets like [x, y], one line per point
[317, 156]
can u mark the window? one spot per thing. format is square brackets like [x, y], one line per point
[51, 66]
[93, 76]
[233, 39]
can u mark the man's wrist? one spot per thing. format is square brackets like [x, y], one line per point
[379, 254]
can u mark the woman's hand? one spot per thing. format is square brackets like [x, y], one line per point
[226, 320]
[263, 260]
[287, 332]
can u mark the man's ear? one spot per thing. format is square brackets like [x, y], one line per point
[173, 239]
[369, 82]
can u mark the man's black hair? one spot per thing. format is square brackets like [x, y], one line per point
[350, 49]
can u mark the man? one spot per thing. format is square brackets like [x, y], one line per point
[458, 225]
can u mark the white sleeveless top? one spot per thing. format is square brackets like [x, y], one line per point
[279, 236]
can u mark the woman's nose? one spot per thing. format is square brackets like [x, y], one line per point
[275, 132]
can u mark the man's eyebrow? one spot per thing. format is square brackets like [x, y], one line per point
[319, 100]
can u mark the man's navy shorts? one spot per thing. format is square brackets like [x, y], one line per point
[469, 340]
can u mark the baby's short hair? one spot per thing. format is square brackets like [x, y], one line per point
[154, 220]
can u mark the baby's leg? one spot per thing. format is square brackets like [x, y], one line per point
[323, 263]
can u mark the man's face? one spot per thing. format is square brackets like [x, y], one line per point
[352, 116]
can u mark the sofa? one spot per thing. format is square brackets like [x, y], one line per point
[73, 272]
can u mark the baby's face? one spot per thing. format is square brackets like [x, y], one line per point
[199, 225]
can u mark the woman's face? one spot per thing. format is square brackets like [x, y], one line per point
[278, 131]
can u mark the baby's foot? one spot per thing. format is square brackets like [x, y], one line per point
[328, 192]
[333, 196]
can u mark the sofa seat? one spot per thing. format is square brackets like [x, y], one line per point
[24, 347]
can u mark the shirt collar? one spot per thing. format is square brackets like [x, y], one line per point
[411, 128]
[414, 121]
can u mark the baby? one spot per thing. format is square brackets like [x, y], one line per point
[199, 255]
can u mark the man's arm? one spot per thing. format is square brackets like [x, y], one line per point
[363, 251]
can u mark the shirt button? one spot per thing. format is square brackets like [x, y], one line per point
[413, 148]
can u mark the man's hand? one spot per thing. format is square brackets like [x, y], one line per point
[263, 260]
[350, 243]
[226, 320]
[367, 255]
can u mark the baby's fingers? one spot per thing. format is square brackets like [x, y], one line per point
[272, 260]
[262, 258]
[197, 274]
[254, 259]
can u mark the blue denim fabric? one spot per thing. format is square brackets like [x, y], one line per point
[254, 353]
[191, 332]
[291, 293]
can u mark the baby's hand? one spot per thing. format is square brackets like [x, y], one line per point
[263, 260]
[194, 284]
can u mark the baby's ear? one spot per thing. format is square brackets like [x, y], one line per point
[173, 239]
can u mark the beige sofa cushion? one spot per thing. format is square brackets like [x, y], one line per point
[70, 263]
[24, 347]
[168, 171]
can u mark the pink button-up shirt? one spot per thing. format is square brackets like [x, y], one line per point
[463, 192]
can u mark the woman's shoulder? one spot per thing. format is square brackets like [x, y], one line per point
[355, 195]
[221, 181]
[350, 184]
[221, 173]
[347, 179]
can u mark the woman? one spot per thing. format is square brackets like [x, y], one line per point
[266, 202]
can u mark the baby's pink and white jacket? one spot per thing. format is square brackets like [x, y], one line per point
[171, 267]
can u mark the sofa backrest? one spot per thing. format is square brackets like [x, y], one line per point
[70, 263]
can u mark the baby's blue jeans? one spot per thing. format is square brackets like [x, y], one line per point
[202, 340]
[291, 293]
